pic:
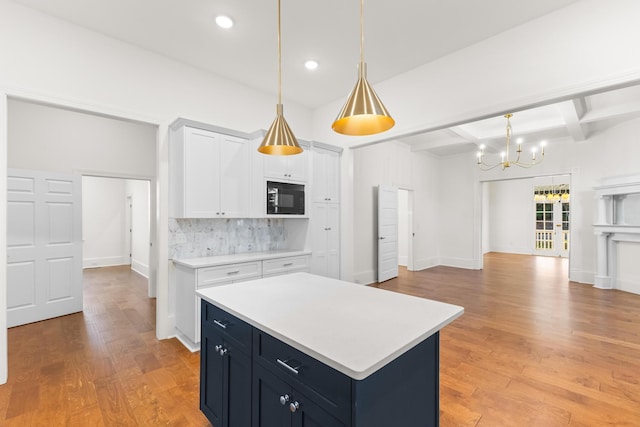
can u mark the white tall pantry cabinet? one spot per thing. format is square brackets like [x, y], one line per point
[325, 211]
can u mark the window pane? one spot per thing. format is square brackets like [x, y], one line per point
[539, 206]
[539, 225]
[548, 206]
[539, 216]
[548, 216]
[548, 225]
[565, 226]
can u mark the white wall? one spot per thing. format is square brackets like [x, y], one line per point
[391, 164]
[140, 225]
[104, 222]
[511, 216]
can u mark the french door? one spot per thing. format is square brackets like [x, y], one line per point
[552, 228]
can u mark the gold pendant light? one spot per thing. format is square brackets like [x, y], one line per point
[363, 113]
[279, 139]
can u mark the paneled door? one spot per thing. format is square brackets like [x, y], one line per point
[44, 246]
[387, 233]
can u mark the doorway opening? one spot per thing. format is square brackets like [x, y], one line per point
[116, 223]
[516, 219]
[405, 228]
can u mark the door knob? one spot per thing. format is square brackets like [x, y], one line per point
[284, 399]
[294, 406]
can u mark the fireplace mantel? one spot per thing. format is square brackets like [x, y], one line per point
[618, 220]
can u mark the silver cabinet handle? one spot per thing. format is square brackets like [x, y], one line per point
[222, 324]
[294, 406]
[229, 273]
[287, 264]
[286, 365]
[220, 349]
[284, 399]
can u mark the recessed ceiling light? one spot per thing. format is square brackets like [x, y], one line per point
[311, 64]
[224, 21]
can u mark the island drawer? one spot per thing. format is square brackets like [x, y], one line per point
[229, 273]
[227, 325]
[331, 388]
[284, 265]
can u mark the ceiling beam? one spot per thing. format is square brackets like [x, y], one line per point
[571, 112]
[611, 112]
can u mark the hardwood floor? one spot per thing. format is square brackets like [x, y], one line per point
[103, 367]
[532, 349]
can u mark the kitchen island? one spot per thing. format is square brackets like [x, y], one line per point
[306, 350]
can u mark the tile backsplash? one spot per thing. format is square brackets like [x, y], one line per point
[191, 238]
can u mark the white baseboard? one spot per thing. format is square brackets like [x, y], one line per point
[104, 261]
[632, 286]
[140, 268]
[581, 276]
[423, 264]
[469, 264]
[512, 250]
[365, 277]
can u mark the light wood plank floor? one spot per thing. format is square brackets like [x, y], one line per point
[532, 349]
[103, 367]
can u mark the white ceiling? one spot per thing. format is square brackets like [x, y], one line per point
[399, 36]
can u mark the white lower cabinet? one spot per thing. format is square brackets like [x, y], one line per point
[325, 235]
[188, 280]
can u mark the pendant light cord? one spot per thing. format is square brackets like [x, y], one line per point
[279, 59]
[361, 33]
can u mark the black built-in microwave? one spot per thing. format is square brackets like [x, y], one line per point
[284, 198]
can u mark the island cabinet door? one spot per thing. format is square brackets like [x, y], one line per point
[225, 383]
[277, 404]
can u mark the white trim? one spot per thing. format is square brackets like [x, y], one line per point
[468, 263]
[140, 268]
[4, 367]
[109, 261]
[425, 263]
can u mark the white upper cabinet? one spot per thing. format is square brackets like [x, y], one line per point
[326, 175]
[288, 168]
[209, 174]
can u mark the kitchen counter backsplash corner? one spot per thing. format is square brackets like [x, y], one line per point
[192, 238]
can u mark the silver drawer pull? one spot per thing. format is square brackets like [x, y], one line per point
[289, 367]
[222, 324]
[288, 264]
[233, 272]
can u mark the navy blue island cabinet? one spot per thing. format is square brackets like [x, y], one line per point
[248, 378]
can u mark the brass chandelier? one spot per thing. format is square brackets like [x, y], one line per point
[505, 157]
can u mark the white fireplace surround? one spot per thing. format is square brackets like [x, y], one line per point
[618, 220]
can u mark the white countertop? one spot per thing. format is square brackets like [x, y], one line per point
[353, 328]
[211, 261]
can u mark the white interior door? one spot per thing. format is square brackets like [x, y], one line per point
[44, 246]
[387, 233]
